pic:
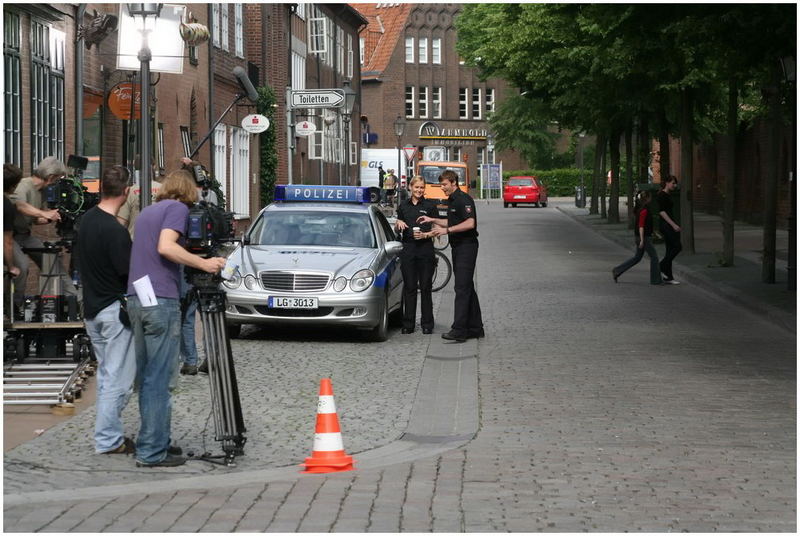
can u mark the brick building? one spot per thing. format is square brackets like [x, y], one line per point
[410, 68]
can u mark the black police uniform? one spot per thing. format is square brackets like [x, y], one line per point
[416, 263]
[467, 321]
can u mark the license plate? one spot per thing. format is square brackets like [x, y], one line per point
[282, 302]
[520, 196]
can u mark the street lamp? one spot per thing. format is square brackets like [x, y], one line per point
[145, 13]
[349, 102]
[399, 128]
[489, 149]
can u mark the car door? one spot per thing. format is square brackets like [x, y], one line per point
[395, 279]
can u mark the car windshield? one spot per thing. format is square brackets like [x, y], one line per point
[520, 182]
[431, 173]
[313, 228]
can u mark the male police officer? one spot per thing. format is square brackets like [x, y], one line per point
[462, 226]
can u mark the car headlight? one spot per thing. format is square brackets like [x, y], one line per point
[250, 282]
[234, 282]
[362, 280]
[340, 284]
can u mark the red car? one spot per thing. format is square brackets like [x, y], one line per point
[524, 190]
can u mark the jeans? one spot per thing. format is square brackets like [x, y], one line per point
[655, 275]
[188, 344]
[156, 332]
[116, 372]
[672, 242]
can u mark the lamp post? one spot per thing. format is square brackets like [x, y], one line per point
[145, 13]
[399, 128]
[349, 101]
[580, 197]
[489, 160]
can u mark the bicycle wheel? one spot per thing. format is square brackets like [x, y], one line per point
[442, 271]
[441, 242]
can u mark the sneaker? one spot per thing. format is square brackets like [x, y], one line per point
[126, 447]
[175, 450]
[671, 282]
[189, 370]
[169, 461]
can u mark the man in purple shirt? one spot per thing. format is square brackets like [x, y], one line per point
[157, 253]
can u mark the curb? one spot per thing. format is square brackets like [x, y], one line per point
[728, 293]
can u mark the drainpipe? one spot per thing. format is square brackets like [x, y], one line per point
[79, 82]
[289, 132]
[211, 157]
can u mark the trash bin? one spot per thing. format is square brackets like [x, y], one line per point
[580, 196]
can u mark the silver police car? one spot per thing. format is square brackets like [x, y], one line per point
[318, 255]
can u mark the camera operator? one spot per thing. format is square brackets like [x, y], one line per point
[29, 206]
[103, 250]
[157, 252]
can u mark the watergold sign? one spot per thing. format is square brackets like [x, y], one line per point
[430, 130]
[119, 101]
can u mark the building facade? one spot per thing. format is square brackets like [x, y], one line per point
[410, 69]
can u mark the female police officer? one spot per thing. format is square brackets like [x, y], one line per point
[416, 261]
[462, 226]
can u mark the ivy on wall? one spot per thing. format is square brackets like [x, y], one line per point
[266, 140]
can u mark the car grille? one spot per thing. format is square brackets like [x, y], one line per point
[293, 313]
[294, 282]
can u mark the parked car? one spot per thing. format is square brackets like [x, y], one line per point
[524, 190]
[319, 255]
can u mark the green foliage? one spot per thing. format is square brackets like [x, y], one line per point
[266, 140]
[560, 182]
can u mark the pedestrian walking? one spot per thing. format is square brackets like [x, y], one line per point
[670, 230]
[461, 225]
[103, 251]
[417, 257]
[157, 254]
[644, 241]
[389, 184]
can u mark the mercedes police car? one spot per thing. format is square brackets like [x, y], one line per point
[318, 255]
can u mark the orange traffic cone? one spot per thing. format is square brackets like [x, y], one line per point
[328, 455]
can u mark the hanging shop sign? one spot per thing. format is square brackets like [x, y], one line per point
[305, 128]
[255, 123]
[125, 98]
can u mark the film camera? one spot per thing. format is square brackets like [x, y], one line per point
[71, 198]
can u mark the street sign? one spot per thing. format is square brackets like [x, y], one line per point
[317, 98]
[255, 123]
[410, 152]
[305, 128]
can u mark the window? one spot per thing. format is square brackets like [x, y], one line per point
[489, 100]
[240, 173]
[298, 71]
[193, 60]
[361, 52]
[350, 56]
[330, 28]
[423, 102]
[301, 11]
[58, 41]
[480, 161]
[220, 157]
[353, 153]
[316, 35]
[316, 142]
[423, 50]
[463, 112]
[340, 67]
[223, 26]
[457, 154]
[437, 102]
[215, 8]
[47, 92]
[409, 101]
[436, 50]
[238, 36]
[186, 140]
[409, 50]
[12, 89]
[476, 103]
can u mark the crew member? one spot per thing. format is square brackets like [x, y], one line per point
[417, 258]
[462, 227]
[157, 253]
[130, 209]
[103, 251]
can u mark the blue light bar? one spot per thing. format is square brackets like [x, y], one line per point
[323, 194]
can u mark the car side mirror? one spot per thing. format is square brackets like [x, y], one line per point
[393, 248]
[245, 240]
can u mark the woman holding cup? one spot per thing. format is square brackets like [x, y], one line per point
[417, 258]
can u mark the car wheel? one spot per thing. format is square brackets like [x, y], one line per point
[396, 316]
[514, 205]
[544, 204]
[536, 205]
[505, 205]
[381, 332]
[234, 330]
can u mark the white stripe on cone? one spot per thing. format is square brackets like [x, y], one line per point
[328, 442]
[326, 404]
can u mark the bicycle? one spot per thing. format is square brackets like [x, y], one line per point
[442, 270]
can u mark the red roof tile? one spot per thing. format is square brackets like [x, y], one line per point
[386, 25]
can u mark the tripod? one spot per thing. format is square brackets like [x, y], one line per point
[225, 402]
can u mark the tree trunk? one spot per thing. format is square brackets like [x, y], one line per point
[598, 171]
[729, 204]
[603, 179]
[644, 150]
[771, 182]
[663, 142]
[687, 182]
[613, 200]
[629, 171]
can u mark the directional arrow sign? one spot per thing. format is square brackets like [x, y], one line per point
[317, 98]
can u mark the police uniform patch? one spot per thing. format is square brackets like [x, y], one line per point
[468, 209]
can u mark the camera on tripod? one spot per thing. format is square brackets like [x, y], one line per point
[70, 197]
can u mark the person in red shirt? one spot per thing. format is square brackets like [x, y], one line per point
[644, 242]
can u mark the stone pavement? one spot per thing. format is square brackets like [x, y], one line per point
[589, 406]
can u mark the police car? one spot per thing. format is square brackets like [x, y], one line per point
[318, 255]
